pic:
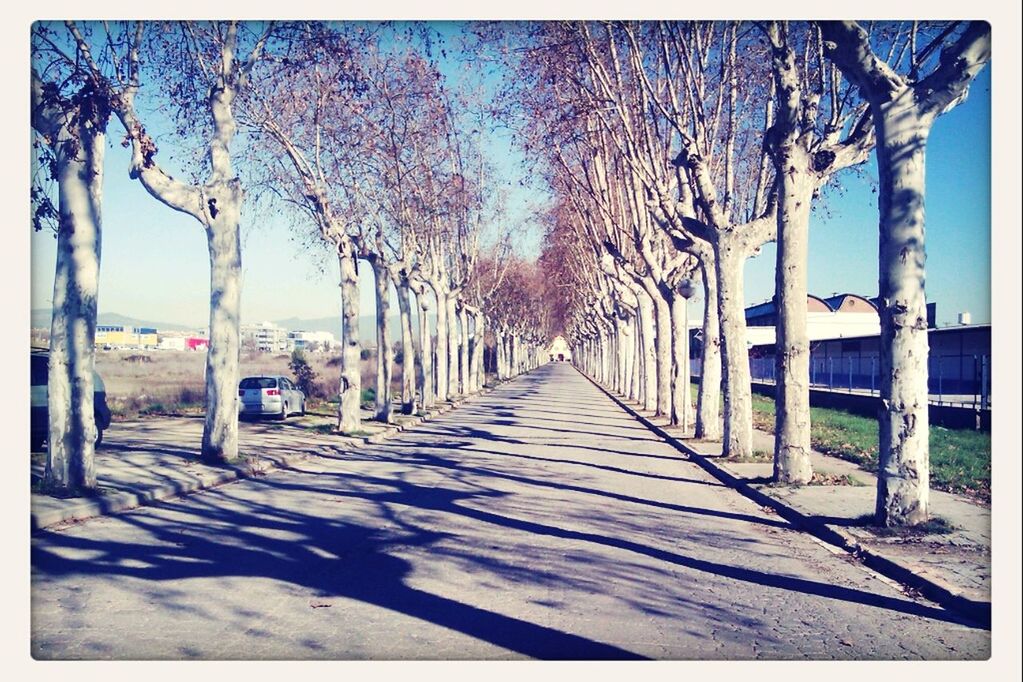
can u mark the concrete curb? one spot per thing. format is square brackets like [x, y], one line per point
[104, 505]
[945, 595]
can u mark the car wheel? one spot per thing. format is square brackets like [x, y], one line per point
[284, 411]
[99, 436]
[301, 408]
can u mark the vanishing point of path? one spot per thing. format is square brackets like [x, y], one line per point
[537, 521]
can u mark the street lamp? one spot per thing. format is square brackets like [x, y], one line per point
[687, 288]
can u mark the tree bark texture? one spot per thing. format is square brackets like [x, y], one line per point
[349, 417]
[385, 352]
[738, 399]
[409, 357]
[904, 470]
[708, 400]
[220, 429]
[792, 347]
[70, 465]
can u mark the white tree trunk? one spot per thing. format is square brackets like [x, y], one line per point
[738, 400]
[424, 376]
[649, 350]
[463, 351]
[792, 347]
[70, 466]
[410, 368]
[708, 408]
[636, 381]
[904, 466]
[627, 348]
[220, 430]
[477, 373]
[385, 352]
[681, 399]
[441, 385]
[349, 417]
[452, 347]
[662, 347]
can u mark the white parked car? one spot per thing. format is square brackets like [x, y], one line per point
[271, 396]
[40, 414]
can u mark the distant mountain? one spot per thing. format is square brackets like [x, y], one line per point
[41, 318]
[367, 324]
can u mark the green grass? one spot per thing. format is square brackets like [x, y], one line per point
[960, 458]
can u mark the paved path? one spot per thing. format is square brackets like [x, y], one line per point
[539, 521]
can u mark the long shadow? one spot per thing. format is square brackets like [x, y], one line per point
[403, 491]
[334, 559]
[462, 431]
[591, 465]
[434, 461]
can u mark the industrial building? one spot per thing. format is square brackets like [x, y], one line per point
[120, 336]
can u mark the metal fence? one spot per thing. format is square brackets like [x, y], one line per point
[952, 379]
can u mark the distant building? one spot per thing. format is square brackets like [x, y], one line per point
[265, 337]
[837, 317]
[197, 343]
[171, 343]
[314, 341]
[121, 336]
[559, 350]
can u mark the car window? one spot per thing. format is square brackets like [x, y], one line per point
[40, 375]
[258, 382]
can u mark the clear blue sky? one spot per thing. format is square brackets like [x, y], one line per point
[155, 263]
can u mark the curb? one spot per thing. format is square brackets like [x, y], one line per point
[946, 596]
[105, 505]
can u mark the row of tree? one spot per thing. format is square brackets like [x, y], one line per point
[676, 150]
[350, 131]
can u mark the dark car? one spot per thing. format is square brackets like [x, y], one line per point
[272, 396]
[40, 371]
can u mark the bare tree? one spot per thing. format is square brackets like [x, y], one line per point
[815, 134]
[209, 62]
[70, 113]
[903, 108]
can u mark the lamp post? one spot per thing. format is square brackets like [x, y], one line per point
[686, 289]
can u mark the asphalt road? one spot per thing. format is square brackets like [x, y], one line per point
[539, 521]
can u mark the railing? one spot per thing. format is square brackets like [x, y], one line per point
[963, 380]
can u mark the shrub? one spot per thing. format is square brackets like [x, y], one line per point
[365, 354]
[304, 374]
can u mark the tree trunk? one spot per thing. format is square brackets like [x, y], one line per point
[662, 346]
[410, 359]
[220, 430]
[349, 416]
[424, 366]
[452, 348]
[792, 346]
[70, 467]
[681, 401]
[904, 467]
[648, 334]
[738, 431]
[627, 348]
[477, 372]
[385, 352]
[708, 415]
[636, 381]
[463, 350]
[441, 363]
